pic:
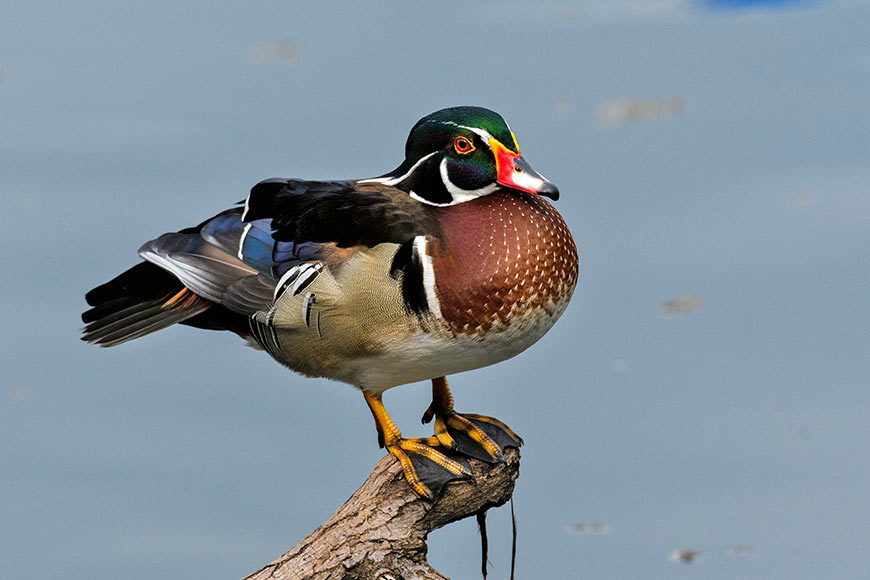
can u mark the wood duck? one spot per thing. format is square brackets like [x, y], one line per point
[451, 262]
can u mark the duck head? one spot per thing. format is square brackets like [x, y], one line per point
[461, 153]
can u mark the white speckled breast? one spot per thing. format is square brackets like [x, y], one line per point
[506, 259]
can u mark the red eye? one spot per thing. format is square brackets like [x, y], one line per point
[463, 146]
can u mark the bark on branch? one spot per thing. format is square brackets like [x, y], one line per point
[380, 532]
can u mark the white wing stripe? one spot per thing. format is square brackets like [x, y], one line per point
[299, 277]
[242, 239]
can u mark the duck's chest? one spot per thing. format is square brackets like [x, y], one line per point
[504, 259]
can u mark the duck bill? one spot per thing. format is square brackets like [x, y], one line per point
[515, 172]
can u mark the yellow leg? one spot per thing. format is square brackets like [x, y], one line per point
[465, 424]
[390, 437]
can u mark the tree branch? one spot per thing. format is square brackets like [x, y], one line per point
[380, 532]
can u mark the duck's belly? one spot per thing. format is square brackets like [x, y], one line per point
[425, 355]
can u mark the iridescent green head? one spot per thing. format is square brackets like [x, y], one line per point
[461, 153]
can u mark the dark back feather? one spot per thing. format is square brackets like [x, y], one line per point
[342, 212]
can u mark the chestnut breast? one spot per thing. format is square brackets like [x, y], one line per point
[502, 256]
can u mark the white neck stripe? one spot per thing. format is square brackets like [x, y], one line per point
[422, 199]
[459, 194]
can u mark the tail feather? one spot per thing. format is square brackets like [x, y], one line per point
[142, 300]
[144, 318]
[143, 281]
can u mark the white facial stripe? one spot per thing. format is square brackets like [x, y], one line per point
[482, 133]
[394, 180]
[459, 194]
[428, 276]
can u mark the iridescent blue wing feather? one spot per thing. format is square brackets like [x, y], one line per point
[253, 244]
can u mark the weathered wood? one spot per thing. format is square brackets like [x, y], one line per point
[380, 532]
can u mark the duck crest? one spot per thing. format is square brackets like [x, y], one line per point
[503, 256]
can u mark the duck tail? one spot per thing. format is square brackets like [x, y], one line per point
[142, 300]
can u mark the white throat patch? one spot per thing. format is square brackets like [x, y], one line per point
[460, 195]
